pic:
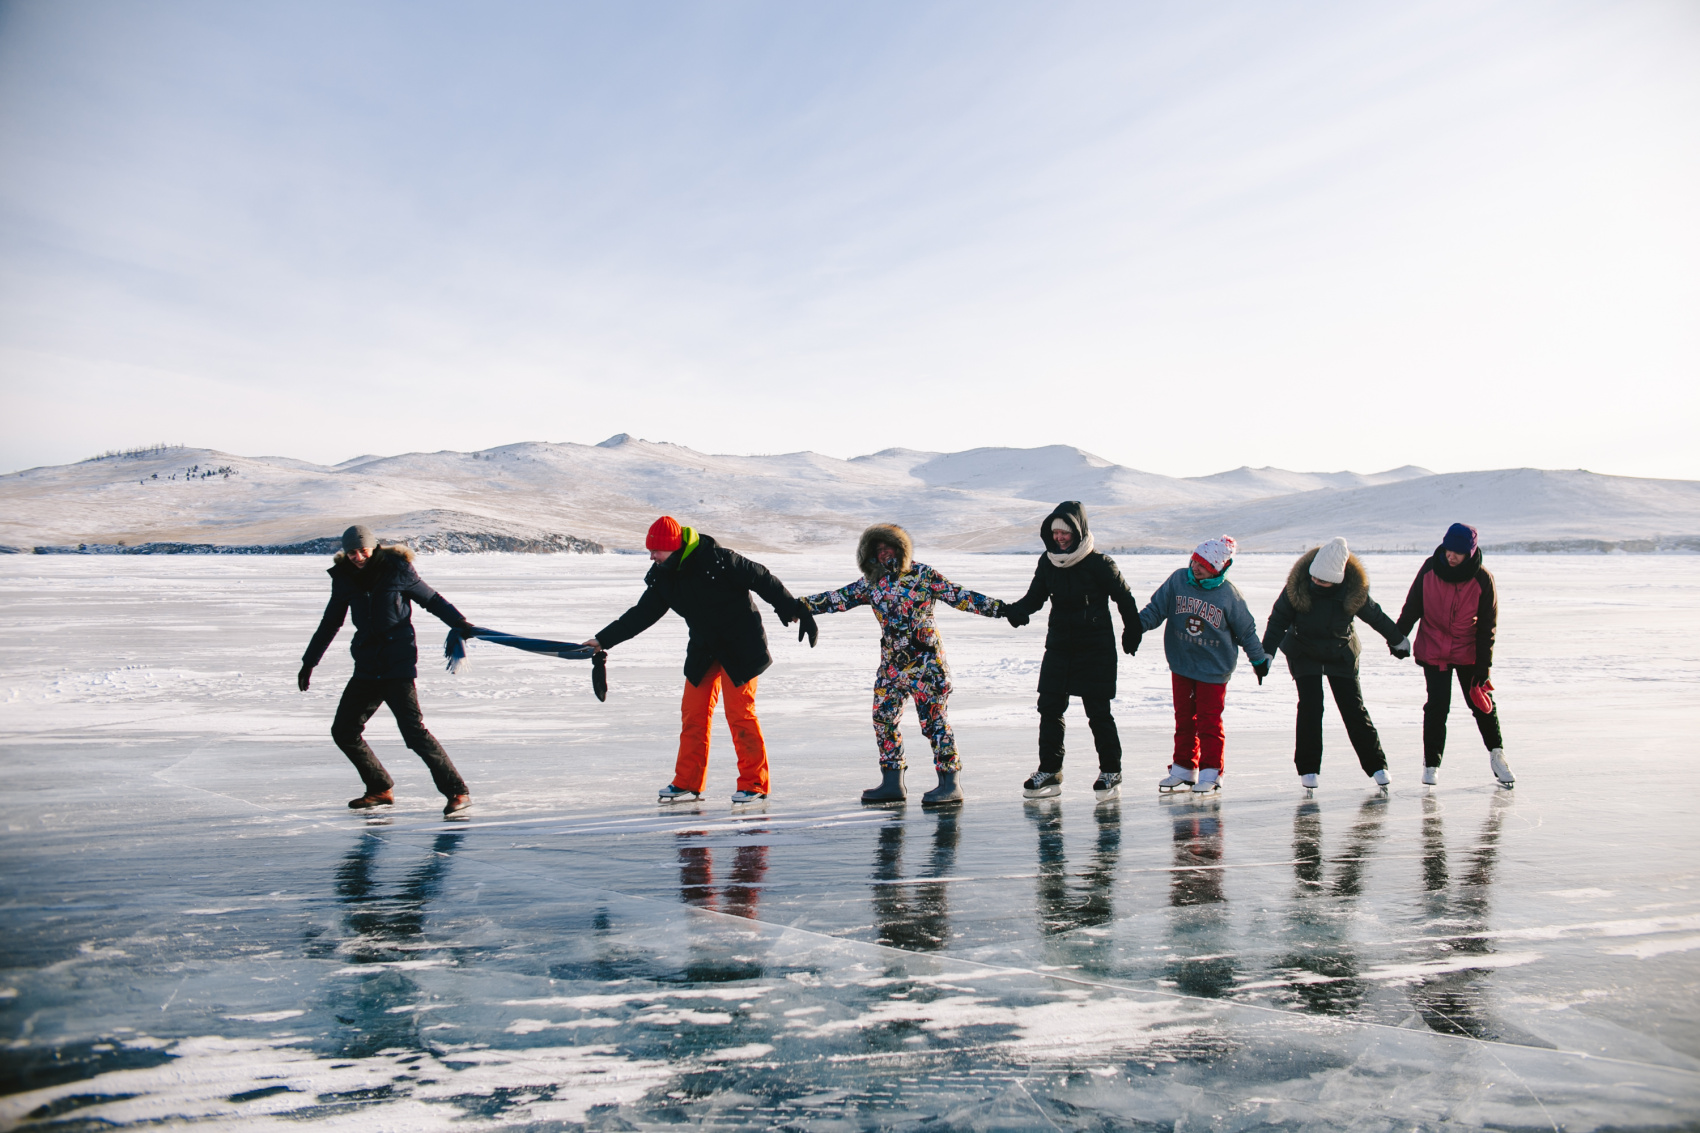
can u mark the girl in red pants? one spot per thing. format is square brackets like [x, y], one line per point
[1208, 624]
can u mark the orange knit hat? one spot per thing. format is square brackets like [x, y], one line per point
[665, 534]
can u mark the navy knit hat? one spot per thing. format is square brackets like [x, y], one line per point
[1460, 539]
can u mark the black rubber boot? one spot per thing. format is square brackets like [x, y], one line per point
[946, 793]
[890, 790]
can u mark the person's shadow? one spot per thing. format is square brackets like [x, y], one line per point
[1066, 904]
[1199, 931]
[914, 914]
[1320, 917]
[1454, 1003]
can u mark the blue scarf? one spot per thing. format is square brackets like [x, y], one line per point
[1210, 583]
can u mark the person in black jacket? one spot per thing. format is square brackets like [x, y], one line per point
[709, 586]
[1080, 646]
[378, 586]
[1312, 623]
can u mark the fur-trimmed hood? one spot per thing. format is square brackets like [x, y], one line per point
[382, 550]
[867, 549]
[1354, 590]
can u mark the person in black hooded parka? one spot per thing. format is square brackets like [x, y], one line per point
[1080, 646]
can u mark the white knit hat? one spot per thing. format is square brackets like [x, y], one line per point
[1330, 562]
[1216, 551]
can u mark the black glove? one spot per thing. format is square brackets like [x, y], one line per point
[806, 626]
[1132, 635]
[788, 609]
[599, 675]
[1261, 669]
[1400, 649]
[1017, 619]
[304, 677]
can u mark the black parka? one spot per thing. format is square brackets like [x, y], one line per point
[380, 597]
[1313, 625]
[710, 589]
[1080, 642]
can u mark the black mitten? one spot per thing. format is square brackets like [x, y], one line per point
[1261, 669]
[806, 627]
[1132, 635]
[599, 675]
[1017, 619]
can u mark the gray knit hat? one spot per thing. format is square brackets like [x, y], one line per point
[358, 538]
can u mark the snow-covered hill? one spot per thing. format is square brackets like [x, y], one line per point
[982, 499]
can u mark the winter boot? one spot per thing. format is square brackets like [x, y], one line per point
[947, 793]
[371, 799]
[1308, 782]
[1209, 779]
[1382, 780]
[891, 788]
[1042, 785]
[1180, 778]
[1431, 776]
[457, 804]
[1501, 769]
[745, 798]
[1107, 786]
[672, 794]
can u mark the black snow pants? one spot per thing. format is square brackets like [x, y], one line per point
[1349, 698]
[359, 700]
[1440, 704]
[1104, 735]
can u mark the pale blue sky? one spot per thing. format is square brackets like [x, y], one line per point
[1183, 236]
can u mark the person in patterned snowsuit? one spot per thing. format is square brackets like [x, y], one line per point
[912, 665]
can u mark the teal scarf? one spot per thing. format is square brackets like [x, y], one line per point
[1209, 583]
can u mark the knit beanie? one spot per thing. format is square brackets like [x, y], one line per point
[1215, 553]
[665, 534]
[1329, 565]
[1460, 539]
[358, 538]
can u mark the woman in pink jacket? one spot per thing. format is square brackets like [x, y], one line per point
[1455, 600]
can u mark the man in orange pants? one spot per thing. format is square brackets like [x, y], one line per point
[709, 586]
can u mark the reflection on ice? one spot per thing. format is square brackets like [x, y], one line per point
[196, 929]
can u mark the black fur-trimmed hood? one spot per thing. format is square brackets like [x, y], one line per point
[867, 549]
[1354, 588]
[386, 558]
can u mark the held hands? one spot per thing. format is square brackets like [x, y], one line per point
[304, 677]
[1401, 649]
[1261, 669]
[1017, 619]
[1132, 635]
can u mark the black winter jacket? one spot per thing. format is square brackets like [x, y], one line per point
[380, 596]
[1313, 625]
[711, 590]
[1080, 641]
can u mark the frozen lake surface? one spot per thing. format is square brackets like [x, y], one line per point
[197, 929]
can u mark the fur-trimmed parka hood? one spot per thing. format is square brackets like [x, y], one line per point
[868, 547]
[382, 550]
[1354, 590]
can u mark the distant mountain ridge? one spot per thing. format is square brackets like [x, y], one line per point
[551, 496]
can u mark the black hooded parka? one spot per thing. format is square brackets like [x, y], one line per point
[380, 596]
[710, 589]
[1313, 625]
[1080, 642]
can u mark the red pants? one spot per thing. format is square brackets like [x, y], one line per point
[696, 718]
[1198, 722]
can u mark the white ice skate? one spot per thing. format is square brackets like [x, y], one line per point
[671, 794]
[1308, 782]
[1107, 786]
[1179, 779]
[742, 800]
[1383, 781]
[1501, 769]
[1431, 776]
[1209, 780]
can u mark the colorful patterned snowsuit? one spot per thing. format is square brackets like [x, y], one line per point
[911, 658]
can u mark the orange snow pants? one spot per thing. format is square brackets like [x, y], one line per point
[696, 719]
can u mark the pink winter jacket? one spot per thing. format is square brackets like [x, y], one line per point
[1459, 611]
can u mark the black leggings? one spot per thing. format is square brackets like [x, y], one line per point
[359, 700]
[1440, 704]
[1349, 697]
[1104, 735]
